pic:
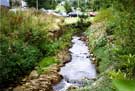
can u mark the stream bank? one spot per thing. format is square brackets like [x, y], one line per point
[45, 80]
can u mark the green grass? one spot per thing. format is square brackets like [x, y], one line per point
[53, 48]
[45, 63]
[71, 20]
[102, 55]
[98, 45]
[100, 48]
[22, 35]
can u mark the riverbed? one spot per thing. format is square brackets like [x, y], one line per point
[78, 69]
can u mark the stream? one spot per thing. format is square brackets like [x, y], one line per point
[78, 69]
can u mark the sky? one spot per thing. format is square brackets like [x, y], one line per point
[4, 2]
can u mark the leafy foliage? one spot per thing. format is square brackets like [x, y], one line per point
[124, 85]
[21, 36]
[26, 38]
[119, 21]
[47, 4]
[46, 62]
[118, 18]
[60, 8]
[67, 6]
[117, 74]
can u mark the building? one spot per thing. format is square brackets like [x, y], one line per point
[23, 4]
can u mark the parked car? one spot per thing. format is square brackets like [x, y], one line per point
[64, 14]
[92, 14]
[75, 14]
[72, 14]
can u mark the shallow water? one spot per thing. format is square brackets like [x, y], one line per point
[78, 69]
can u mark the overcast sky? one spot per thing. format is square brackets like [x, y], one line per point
[4, 2]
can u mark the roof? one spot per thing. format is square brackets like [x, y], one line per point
[4, 3]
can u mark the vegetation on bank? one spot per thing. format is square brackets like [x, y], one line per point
[111, 39]
[31, 40]
[26, 38]
[22, 35]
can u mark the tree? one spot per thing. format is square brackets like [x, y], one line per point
[48, 4]
[67, 6]
[15, 3]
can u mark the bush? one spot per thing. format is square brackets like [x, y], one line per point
[101, 42]
[104, 15]
[119, 50]
[16, 59]
[22, 34]
[127, 65]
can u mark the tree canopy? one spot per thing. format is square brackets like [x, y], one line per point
[42, 3]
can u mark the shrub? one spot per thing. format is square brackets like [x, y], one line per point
[104, 15]
[16, 59]
[21, 36]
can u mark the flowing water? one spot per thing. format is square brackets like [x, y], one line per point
[78, 69]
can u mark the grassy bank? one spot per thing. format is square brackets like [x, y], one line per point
[28, 39]
[100, 46]
[32, 40]
[110, 37]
